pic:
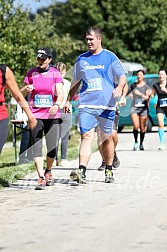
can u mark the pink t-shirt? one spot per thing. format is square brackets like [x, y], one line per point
[43, 95]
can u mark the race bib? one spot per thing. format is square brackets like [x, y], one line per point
[94, 85]
[139, 103]
[163, 102]
[43, 101]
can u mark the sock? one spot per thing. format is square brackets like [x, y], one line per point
[142, 135]
[161, 135]
[135, 133]
[108, 167]
[82, 167]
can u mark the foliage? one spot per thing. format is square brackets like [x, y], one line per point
[21, 34]
[134, 30]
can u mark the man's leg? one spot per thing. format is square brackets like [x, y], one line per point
[84, 156]
[116, 161]
[99, 144]
[107, 148]
[85, 147]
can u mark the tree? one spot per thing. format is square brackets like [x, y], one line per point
[21, 35]
[134, 30]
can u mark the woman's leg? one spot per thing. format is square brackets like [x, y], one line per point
[160, 117]
[37, 134]
[135, 121]
[65, 132]
[3, 132]
[51, 130]
[143, 120]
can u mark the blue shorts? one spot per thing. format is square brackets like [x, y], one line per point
[91, 118]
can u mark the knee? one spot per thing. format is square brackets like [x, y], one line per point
[52, 153]
[108, 139]
[86, 136]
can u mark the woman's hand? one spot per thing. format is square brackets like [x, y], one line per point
[53, 110]
[32, 122]
[137, 92]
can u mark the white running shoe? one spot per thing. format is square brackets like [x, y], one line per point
[135, 146]
[162, 146]
[65, 163]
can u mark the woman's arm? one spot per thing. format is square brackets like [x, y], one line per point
[60, 97]
[12, 85]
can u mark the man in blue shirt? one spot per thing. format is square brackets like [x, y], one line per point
[101, 78]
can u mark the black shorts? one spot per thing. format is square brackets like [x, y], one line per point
[162, 111]
[139, 111]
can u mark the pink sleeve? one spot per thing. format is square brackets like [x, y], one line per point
[28, 78]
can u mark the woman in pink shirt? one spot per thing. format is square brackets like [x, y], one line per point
[45, 84]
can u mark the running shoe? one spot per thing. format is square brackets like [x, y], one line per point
[49, 179]
[161, 147]
[102, 166]
[79, 176]
[109, 176]
[116, 161]
[135, 146]
[141, 147]
[41, 184]
[65, 163]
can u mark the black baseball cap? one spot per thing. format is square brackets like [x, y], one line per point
[44, 53]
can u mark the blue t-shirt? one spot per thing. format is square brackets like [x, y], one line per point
[99, 75]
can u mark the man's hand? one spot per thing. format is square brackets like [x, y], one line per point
[67, 107]
[122, 101]
[117, 92]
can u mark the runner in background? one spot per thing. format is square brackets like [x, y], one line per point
[140, 94]
[65, 126]
[161, 110]
[116, 161]
[45, 85]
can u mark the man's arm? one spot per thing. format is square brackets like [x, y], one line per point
[73, 90]
[16, 93]
[122, 101]
[119, 89]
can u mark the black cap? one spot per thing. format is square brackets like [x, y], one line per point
[44, 53]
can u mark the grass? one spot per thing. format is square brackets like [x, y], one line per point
[9, 172]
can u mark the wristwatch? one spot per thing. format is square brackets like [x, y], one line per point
[57, 105]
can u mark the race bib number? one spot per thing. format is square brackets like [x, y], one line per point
[94, 85]
[43, 101]
[163, 102]
[139, 103]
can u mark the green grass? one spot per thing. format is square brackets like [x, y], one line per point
[9, 172]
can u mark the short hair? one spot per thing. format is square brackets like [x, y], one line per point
[94, 29]
[162, 69]
[60, 66]
[141, 70]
